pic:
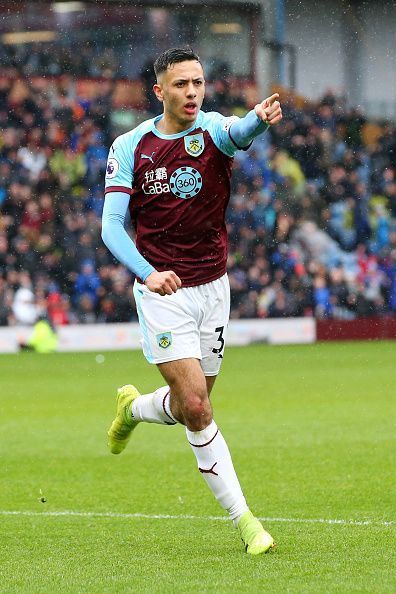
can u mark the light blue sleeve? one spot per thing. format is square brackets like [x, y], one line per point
[233, 133]
[243, 131]
[117, 239]
[119, 170]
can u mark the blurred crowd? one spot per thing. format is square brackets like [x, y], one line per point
[36, 59]
[312, 217]
[312, 221]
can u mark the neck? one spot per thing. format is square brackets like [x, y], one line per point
[167, 125]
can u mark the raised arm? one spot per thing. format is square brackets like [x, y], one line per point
[257, 121]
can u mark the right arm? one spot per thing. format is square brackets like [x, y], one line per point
[124, 249]
[117, 239]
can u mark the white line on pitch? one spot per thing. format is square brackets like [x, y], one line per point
[187, 517]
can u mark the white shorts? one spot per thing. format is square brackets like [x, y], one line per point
[189, 323]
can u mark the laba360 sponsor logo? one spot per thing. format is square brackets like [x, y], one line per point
[185, 182]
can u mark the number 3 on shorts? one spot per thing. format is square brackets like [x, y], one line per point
[220, 339]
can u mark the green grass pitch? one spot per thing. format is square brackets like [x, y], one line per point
[311, 430]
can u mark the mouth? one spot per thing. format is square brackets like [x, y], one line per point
[190, 108]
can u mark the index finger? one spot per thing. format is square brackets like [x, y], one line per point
[273, 98]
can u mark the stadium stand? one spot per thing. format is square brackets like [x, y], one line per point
[312, 218]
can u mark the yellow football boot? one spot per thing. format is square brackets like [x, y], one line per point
[254, 537]
[123, 425]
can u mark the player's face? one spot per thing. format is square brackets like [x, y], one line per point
[181, 89]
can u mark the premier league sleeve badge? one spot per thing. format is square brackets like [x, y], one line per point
[112, 168]
[194, 144]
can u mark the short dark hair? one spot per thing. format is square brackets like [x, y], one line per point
[173, 56]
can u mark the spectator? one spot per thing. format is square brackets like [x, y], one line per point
[86, 309]
[43, 338]
[23, 306]
[6, 314]
[68, 167]
[87, 283]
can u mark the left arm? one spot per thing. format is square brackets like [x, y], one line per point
[257, 121]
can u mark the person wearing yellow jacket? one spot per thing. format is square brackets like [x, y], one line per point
[43, 338]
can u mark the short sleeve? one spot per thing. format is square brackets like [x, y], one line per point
[119, 169]
[218, 127]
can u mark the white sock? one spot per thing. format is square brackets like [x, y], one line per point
[154, 407]
[214, 462]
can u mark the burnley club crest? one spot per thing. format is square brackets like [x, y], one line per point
[194, 144]
[164, 339]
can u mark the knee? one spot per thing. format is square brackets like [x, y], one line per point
[197, 412]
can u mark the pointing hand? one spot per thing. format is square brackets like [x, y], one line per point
[269, 110]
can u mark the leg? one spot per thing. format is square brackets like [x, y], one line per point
[190, 403]
[174, 370]
[177, 350]
[132, 408]
[210, 380]
[169, 333]
[189, 400]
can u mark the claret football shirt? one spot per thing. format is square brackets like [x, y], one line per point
[179, 187]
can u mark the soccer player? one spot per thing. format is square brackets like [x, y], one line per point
[173, 173]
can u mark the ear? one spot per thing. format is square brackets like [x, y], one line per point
[158, 92]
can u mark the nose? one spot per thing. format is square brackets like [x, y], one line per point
[191, 91]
